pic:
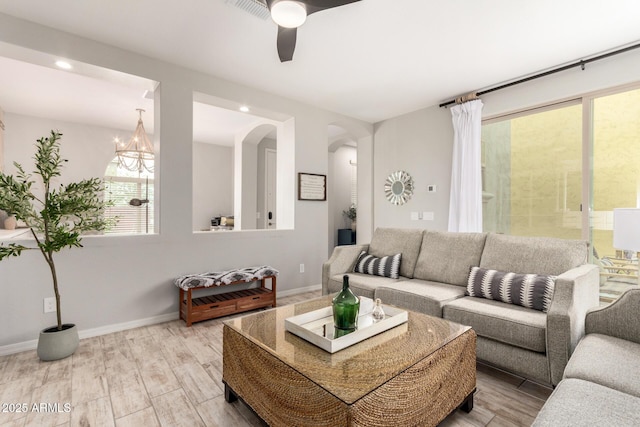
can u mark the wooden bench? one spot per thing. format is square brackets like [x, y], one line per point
[223, 304]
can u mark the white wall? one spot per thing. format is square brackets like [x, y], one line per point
[1, 139]
[249, 185]
[366, 214]
[212, 183]
[100, 285]
[89, 149]
[262, 147]
[608, 73]
[421, 142]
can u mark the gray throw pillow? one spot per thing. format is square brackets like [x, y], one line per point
[528, 290]
[388, 266]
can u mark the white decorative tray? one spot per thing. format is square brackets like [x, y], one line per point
[317, 326]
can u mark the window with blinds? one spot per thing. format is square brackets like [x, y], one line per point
[123, 186]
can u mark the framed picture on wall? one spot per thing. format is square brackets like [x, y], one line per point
[312, 186]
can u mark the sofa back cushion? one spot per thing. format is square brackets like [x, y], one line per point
[391, 241]
[447, 257]
[537, 255]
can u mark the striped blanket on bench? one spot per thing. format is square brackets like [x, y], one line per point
[217, 278]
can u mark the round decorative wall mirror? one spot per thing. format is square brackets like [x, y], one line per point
[398, 188]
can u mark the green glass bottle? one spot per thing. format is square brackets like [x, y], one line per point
[346, 307]
[337, 333]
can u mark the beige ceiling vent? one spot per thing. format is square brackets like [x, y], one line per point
[255, 7]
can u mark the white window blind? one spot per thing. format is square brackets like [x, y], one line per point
[354, 183]
[121, 190]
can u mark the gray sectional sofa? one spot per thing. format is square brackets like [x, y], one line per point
[433, 276]
[601, 385]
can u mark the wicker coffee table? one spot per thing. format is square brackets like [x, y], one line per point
[412, 375]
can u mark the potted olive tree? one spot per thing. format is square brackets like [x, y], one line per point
[57, 216]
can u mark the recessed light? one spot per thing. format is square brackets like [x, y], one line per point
[64, 65]
[244, 108]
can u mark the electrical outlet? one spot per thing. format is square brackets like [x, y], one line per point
[301, 268]
[50, 305]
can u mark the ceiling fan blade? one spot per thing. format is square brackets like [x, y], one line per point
[286, 43]
[314, 6]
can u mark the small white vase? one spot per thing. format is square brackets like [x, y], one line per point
[10, 223]
[353, 225]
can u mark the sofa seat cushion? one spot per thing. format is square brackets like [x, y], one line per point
[608, 361]
[391, 241]
[363, 285]
[506, 323]
[419, 295]
[447, 257]
[576, 402]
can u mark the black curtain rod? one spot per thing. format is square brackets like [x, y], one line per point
[580, 63]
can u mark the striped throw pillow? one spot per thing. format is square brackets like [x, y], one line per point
[528, 290]
[388, 266]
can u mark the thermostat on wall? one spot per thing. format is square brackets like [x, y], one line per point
[431, 188]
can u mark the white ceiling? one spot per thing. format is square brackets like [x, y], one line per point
[104, 99]
[372, 59]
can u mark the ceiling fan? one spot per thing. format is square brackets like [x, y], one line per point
[290, 14]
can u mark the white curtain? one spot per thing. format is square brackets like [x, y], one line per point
[465, 203]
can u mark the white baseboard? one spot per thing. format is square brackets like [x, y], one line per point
[5, 350]
[297, 291]
[94, 332]
[117, 327]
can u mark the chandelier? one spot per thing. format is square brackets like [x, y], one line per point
[137, 154]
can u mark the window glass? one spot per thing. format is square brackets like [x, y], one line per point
[532, 174]
[616, 184]
[132, 196]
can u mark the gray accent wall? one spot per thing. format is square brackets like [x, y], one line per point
[420, 143]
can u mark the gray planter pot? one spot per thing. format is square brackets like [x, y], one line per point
[54, 344]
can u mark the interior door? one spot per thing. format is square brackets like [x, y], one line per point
[270, 188]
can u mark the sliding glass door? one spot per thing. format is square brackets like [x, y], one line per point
[615, 144]
[542, 166]
[532, 173]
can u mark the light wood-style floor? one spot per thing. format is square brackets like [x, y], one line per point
[170, 375]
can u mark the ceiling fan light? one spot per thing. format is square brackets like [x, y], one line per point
[288, 14]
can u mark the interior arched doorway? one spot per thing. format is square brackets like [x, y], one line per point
[257, 153]
[359, 135]
[342, 186]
